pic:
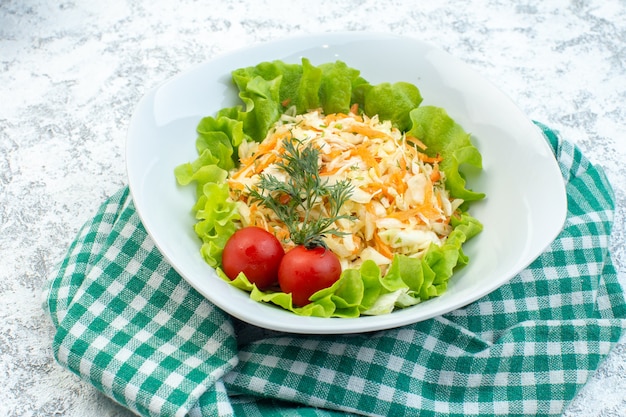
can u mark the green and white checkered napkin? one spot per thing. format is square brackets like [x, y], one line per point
[131, 326]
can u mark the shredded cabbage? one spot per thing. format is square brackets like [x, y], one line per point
[399, 203]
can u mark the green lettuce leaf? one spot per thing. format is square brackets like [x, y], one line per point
[307, 96]
[444, 137]
[336, 87]
[261, 98]
[289, 75]
[214, 211]
[221, 136]
[392, 102]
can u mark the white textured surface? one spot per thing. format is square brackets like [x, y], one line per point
[72, 72]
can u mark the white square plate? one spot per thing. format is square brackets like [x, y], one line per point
[523, 213]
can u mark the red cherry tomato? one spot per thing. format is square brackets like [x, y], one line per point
[305, 271]
[255, 252]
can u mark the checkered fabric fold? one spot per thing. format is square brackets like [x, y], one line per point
[131, 326]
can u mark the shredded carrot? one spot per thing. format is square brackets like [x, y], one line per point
[397, 179]
[375, 188]
[354, 108]
[429, 159]
[425, 210]
[284, 199]
[368, 131]
[357, 243]
[370, 208]
[404, 215]
[435, 175]
[265, 162]
[333, 117]
[282, 234]
[439, 202]
[416, 141]
[327, 172]
[402, 164]
[428, 193]
[363, 151]
[235, 185]
[335, 153]
[428, 208]
[382, 247]
[254, 208]
[265, 147]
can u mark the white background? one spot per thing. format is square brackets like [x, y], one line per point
[71, 74]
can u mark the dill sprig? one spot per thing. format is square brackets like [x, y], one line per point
[294, 200]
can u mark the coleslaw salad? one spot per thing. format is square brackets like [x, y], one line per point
[409, 201]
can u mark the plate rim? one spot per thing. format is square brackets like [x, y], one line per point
[312, 325]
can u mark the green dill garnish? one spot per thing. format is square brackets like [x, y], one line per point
[294, 199]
